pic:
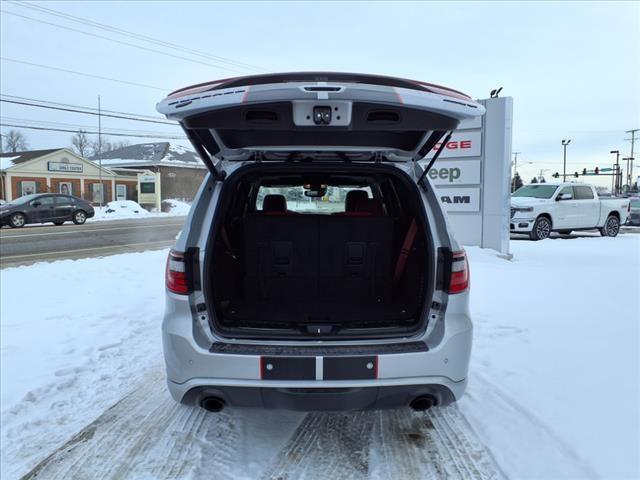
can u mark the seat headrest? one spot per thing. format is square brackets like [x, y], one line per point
[353, 198]
[274, 203]
[372, 206]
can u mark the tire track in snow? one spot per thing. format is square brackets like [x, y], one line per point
[147, 435]
[385, 444]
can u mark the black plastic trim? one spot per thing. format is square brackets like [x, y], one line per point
[319, 351]
[321, 399]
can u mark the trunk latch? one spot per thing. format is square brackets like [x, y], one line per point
[319, 329]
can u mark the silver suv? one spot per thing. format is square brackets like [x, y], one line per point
[316, 269]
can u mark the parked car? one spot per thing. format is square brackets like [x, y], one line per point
[43, 208]
[538, 210]
[634, 211]
[275, 303]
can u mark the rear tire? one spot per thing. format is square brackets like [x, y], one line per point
[611, 227]
[79, 217]
[541, 229]
[17, 220]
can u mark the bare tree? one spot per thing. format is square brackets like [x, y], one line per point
[106, 145]
[16, 141]
[81, 143]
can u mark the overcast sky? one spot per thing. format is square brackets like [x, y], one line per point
[572, 68]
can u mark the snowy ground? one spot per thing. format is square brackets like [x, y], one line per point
[553, 393]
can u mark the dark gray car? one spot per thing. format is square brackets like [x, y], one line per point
[43, 208]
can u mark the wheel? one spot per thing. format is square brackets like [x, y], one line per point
[17, 220]
[541, 229]
[611, 227]
[59, 222]
[79, 217]
[564, 232]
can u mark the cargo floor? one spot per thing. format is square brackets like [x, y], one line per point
[347, 313]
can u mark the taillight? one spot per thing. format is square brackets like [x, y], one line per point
[459, 273]
[177, 275]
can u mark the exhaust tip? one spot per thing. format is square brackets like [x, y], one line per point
[423, 403]
[212, 404]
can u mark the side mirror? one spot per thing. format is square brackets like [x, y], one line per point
[564, 196]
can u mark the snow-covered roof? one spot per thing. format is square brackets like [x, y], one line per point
[11, 159]
[150, 155]
[7, 162]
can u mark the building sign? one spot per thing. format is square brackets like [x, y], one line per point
[461, 144]
[65, 167]
[460, 199]
[471, 177]
[447, 172]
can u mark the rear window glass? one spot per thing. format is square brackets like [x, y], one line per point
[582, 193]
[296, 200]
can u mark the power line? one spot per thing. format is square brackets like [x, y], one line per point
[114, 134]
[137, 36]
[49, 102]
[123, 117]
[80, 127]
[39, 65]
[95, 35]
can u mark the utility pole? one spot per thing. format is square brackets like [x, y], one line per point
[100, 152]
[515, 161]
[564, 168]
[616, 175]
[633, 141]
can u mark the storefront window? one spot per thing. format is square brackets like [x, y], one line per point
[27, 187]
[65, 188]
[97, 195]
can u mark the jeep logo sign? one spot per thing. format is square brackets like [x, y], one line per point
[465, 172]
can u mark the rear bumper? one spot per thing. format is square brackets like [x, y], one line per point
[320, 399]
[195, 369]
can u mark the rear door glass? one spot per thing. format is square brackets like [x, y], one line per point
[582, 193]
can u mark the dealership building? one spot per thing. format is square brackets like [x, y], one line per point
[63, 171]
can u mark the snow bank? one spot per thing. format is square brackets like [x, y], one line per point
[176, 207]
[555, 369]
[126, 209]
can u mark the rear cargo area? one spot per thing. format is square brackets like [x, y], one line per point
[282, 270]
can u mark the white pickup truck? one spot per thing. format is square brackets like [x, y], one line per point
[540, 209]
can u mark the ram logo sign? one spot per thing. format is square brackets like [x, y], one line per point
[460, 199]
[456, 199]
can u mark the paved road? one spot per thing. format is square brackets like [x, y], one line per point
[47, 243]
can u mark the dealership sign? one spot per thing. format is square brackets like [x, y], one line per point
[461, 144]
[471, 176]
[465, 172]
[460, 199]
[64, 167]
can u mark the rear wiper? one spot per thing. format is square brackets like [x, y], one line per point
[433, 160]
